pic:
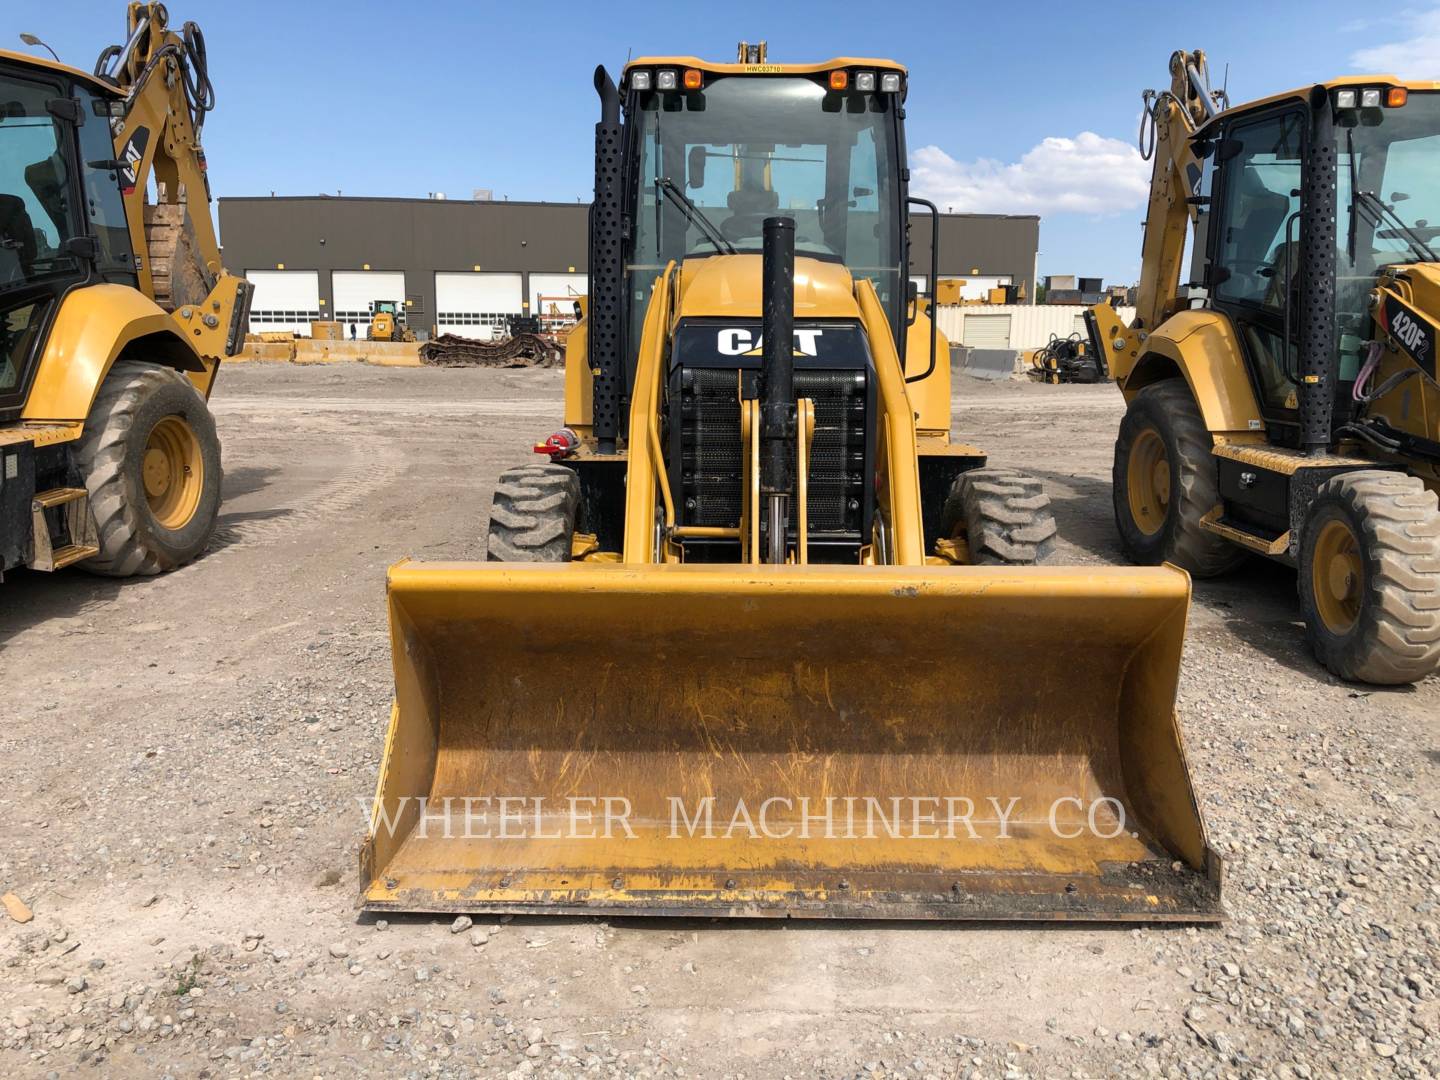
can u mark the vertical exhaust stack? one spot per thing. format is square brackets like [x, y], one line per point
[777, 383]
[607, 275]
[1318, 362]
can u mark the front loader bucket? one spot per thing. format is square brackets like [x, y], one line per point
[879, 742]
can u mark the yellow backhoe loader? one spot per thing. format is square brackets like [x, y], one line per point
[114, 313]
[759, 638]
[1286, 404]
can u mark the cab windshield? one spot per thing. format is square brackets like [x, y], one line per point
[1388, 197]
[750, 147]
[36, 217]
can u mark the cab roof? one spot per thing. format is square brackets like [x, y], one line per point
[30, 60]
[767, 68]
[1302, 93]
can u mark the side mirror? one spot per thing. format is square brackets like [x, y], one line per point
[695, 168]
[1228, 148]
[84, 247]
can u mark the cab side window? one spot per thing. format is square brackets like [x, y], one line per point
[36, 216]
[1259, 229]
[104, 203]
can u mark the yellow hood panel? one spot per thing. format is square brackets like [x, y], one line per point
[729, 286]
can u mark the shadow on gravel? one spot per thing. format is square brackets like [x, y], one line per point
[28, 598]
[1256, 601]
[231, 529]
[246, 480]
[1082, 512]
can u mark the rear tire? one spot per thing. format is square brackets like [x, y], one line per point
[532, 518]
[151, 462]
[1164, 481]
[1369, 577]
[1003, 515]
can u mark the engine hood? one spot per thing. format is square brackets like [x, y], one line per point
[728, 286]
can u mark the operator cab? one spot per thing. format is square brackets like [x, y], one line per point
[712, 151]
[1260, 188]
[62, 216]
[715, 149]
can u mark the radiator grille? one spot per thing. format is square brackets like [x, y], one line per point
[710, 474]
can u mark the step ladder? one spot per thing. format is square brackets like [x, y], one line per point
[79, 522]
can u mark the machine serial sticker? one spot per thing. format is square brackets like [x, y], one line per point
[1412, 332]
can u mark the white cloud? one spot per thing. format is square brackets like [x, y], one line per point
[1089, 174]
[1417, 56]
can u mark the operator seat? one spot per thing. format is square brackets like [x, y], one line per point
[17, 240]
[748, 209]
[1259, 220]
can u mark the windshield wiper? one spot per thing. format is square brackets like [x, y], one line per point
[694, 213]
[1380, 211]
[1384, 214]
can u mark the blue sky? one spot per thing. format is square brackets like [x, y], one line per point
[1023, 108]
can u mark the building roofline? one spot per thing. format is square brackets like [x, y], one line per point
[395, 199]
[514, 202]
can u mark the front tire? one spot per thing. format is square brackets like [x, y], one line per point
[1003, 516]
[1369, 577]
[151, 462]
[532, 518]
[1164, 481]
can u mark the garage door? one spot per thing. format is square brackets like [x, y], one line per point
[553, 296]
[475, 305]
[986, 331]
[285, 301]
[357, 290]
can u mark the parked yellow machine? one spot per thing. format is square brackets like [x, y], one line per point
[387, 322]
[114, 314]
[1291, 409]
[761, 639]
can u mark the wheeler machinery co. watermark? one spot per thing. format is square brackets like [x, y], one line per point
[836, 817]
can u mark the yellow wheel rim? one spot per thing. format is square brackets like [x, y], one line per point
[1337, 577]
[1147, 478]
[173, 471]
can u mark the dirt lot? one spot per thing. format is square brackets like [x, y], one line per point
[185, 760]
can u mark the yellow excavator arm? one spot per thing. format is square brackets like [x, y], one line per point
[163, 75]
[1170, 119]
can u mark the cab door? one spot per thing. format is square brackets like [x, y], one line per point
[40, 199]
[1254, 247]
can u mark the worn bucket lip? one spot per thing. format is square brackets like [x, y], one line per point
[1185, 896]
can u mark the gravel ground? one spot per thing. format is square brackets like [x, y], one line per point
[186, 760]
